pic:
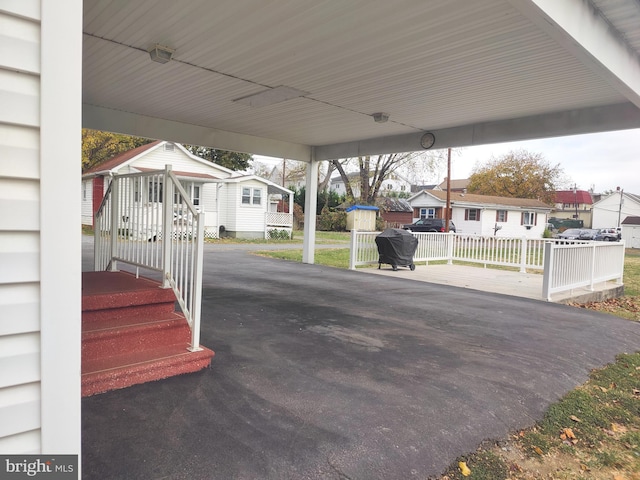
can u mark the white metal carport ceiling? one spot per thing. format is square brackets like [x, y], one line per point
[472, 72]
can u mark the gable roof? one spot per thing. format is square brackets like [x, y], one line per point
[456, 184]
[568, 196]
[390, 204]
[631, 196]
[125, 158]
[122, 158]
[459, 198]
[631, 221]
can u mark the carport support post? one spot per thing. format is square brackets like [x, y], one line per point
[310, 201]
[353, 253]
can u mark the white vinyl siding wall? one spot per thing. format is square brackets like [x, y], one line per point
[19, 229]
[250, 217]
[180, 162]
[40, 198]
[87, 202]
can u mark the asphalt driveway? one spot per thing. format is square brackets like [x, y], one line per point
[323, 373]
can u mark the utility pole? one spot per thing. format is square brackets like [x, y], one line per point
[447, 216]
[575, 194]
[284, 167]
[620, 207]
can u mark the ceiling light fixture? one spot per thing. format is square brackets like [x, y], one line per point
[380, 117]
[161, 54]
[271, 96]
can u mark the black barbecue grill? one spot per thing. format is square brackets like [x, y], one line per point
[396, 247]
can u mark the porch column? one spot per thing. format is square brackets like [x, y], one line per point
[310, 201]
[60, 245]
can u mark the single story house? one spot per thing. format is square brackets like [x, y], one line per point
[236, 205]
[483, 214]
[611, 210]
[395, 211]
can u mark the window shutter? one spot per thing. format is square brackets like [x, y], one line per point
[535, 219]
[522, 218]
[466, 214]
[497, 215]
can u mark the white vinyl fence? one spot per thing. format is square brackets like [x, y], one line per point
[571, 266]
[566, 264]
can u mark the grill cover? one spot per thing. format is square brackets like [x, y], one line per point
[396, 246]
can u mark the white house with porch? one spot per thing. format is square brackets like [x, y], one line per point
[243, 206]
[484, 214]
[509, 75]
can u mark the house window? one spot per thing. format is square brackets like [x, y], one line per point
[501, 216]
[195, 195]
[402, 188]
[246, 196]
[472, 214]
[529, 218]
[155, 191]
[389, 186]
[257, 196]
[427, 213]
[169, 147]
[251, 196]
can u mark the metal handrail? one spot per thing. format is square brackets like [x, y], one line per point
[147, 220]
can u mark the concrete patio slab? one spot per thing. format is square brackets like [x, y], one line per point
[526, 285]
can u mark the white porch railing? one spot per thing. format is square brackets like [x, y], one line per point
[512, 252]
[147, 220]
[277, 221]
[566, 264]
[569, 266]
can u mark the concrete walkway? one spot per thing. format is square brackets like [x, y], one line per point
[526, 285]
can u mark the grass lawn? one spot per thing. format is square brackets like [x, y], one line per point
[322, 238]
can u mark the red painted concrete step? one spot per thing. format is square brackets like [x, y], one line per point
[103, 375]
[117, 337]
[132, 334]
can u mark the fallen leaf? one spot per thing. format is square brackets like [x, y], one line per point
[563, 436]
[584, 468]
[603, 389]
[538, 450]
[636, 391]
[569, 433]
[616, 427]
[575, 419]
[464, 469]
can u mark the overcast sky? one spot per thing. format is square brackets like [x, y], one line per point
[602, 160]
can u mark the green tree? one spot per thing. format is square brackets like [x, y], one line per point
[518, 174]
[98, 146]
[231, 160]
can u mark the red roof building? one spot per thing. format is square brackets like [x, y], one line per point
[573, 205]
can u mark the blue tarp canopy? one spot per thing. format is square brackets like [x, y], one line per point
[361, 207]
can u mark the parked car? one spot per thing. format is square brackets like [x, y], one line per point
[608, 235]
[430, 225]
[577, 234]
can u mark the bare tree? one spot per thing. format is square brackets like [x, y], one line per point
[373, 170]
